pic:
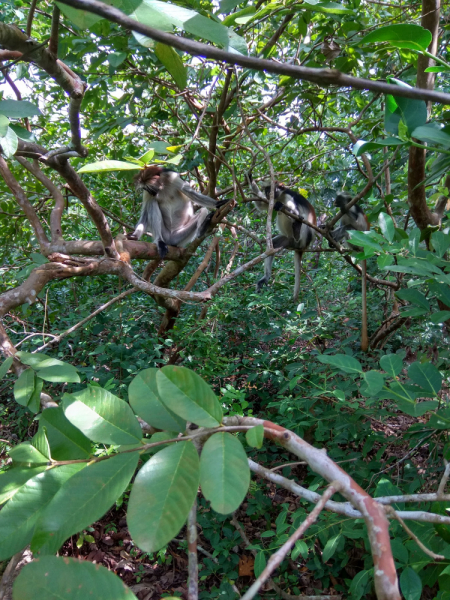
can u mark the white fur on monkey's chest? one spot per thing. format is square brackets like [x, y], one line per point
[176, 211]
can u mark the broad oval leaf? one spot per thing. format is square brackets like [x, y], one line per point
[19, 515]
[330, 547]
[83, 19]
[10, 143]
[392, 364]
[59, 374]
[55, 577]
[348, 364]
[66, 441]
[413, 37]
[145, 401]
[431, 133]
[101, 416]
[24, 387]
[426, 375]
[374, 381]
[4, 124]
[410, 584]
[441, 242]
[162, 496]
[187, 395]
[109, 165]
[6, 364]
[255, 436]
[18, 109]
[387, 226]
[361, 146]
[85, 498]
[224, 472]
[260, 563]
[38, 360]
[415, 297]
[27, 454]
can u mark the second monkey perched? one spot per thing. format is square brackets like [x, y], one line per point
[294, 235]
[167, 211]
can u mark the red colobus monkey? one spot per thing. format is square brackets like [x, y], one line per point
[354, 219]
[294, 235]
[168, 211]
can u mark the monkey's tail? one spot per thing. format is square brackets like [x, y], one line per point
[298, 255]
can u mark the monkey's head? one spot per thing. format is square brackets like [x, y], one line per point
[149, 179]
[278, 189]
[342, 199]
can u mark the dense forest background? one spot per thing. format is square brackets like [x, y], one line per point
[323, 97]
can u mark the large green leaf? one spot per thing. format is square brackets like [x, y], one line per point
[441, 242]
[86, 497]
[27, 454]
[66, 441]
[387, 226]
[12, 480]
[410, 584]
[374, 381]
[19, 515]
[392, 364]
[432, 133]
[415, 297]
[173, 63]
[345, 363]
[101, 416]
[162, 496]
[4, 124]
[59, 374]
[187, 395]
[18, 109]
[224, 472]
[145, 401]
[109, 165]
[54, 578]
[409, 36]
[24, 387]
[361, 146]
[332, 8]
[427, 376]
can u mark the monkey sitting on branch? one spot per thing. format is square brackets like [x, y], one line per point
[294, 235]
[167, 211]
[353, 218]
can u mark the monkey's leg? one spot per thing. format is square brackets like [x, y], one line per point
[279, 241]
[364, 334]
[298, 255]
[184, 235]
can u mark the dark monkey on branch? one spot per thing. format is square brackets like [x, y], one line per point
[168, 209]
[354, 219]
[294, 235]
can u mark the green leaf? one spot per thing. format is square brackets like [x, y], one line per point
[361, 146]
[55, 577]
[431, 133]
[415, 297]
[426, 375]
[40, 442]
[4, 124]
[9, 143]
[441, 291]
[440, 317]
[224, 472]
[345, 363]
[147, 157]
[109, 165]
[101, 416]
[255, 436]
[22, 133]
[300, 547]
[374, 381]
[59, 374]
[384, 261]
[387, 226]
[26, 454]
[173, 63]
[441, 242]
[34, 403]
[188, 396]
[6, 364]
[365, 239]
[24, 387]
[330, 547]
[358, 584]
[116, 58]
[66, 441]
[410, 584]
[414, 112]
[39, 360]
[408, 36]
[83, 19]
[260, 563]
[332, 8]
[18, 517]
[392, 364]
[162, 496]
[83, 499]
[146, 402]
[12, 480]
[18, 109]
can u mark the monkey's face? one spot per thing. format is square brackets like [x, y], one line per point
[342, 199]
[149, 178]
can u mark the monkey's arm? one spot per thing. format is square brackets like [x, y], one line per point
[260, 206]
[200, 199]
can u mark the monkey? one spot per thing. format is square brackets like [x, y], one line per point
[294, 235]
[354, 219]
[167, 211]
